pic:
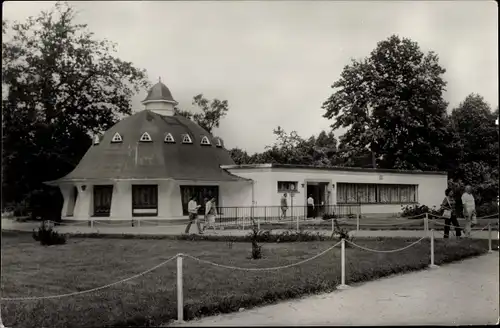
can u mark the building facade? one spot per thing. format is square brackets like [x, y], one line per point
[151, 163]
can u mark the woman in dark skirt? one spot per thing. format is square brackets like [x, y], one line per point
[450, 214]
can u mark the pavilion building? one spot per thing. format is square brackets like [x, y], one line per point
[152, 162]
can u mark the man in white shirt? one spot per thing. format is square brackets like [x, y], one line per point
[310, 207]
[193, 215]
[469, 206]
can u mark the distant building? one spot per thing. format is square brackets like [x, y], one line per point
[150, 163]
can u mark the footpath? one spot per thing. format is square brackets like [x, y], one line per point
[173, 230]
[462, 293]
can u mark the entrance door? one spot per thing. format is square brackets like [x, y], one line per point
[102, 200]
[201, 193]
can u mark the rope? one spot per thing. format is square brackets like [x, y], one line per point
[478, 218]
[390, 224]
[261, 269]
[31, 298]
[386, 251]
[452, 226]
[68, 224]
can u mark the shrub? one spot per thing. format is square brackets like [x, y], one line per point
[417, 209]
[487, 209]
[327, 216]
[341, 232]
[256, 248]
[47, 236]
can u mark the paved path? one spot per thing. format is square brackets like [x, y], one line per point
[179, 229]
[463, 293]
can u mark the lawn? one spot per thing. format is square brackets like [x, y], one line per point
[29, 269]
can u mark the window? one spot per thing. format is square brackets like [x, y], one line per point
[205, 141]
[361, 193]
[102, 200]
[117, 138]
[186, 139]
[96, 140]
[218, 143]
[144, 200]
[145, 137]
[169, 138]
[287, 186]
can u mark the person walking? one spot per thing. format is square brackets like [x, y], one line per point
[469, 206]
[449, 214]
[284, 206]
[310, 206]
[193, 208]
[210, 213]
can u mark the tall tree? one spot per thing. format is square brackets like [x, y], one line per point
[211, 112]
[474, 125]
[63, 85]
[392, 104]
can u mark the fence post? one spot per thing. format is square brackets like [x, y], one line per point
[258, 223]
[333, 228]
[426, 224]
[489, 238]
[1, 322]
[297, 219]
[342, 264]
[139, 222]
[432, 266]
[357, 222]
[180, 294]
[92, 223]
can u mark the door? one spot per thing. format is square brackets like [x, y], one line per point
[201, 193]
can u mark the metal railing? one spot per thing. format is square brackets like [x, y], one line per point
[242, 216]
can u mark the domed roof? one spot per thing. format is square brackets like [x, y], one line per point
[159, 92]
[121, 154]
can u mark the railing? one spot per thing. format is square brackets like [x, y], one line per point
[242, 216]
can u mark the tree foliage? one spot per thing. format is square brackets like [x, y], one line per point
[290, 148]
[477, 146]
[392, 104]
[63, 86]
[211, 112]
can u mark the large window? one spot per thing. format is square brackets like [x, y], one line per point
[201, 193]
[363, 193]
[144, 200]
[287, 186]
[102, 200]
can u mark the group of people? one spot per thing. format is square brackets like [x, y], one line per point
[210, 214]
[448, 206]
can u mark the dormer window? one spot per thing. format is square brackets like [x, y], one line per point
[145, 137]
[96, 140]
[205, 141]
[117, 138]
[169, 138]
[186, 139]
[218, 143]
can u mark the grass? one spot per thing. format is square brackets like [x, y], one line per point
[29, 269]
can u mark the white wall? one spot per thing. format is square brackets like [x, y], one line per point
[431, 187]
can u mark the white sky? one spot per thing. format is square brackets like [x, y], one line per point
[275, 61]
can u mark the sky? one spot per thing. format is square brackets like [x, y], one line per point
[275, 61]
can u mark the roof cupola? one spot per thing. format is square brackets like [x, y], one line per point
[160, 100]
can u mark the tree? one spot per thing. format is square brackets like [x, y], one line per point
[473, 123]
[63, 86]
[392, 105]
[211, 112]
[290, 148]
